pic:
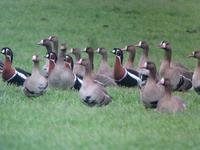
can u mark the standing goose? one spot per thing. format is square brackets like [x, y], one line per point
[47, 44]
[132, 51]
[92, 93]
[123, 76]
[55, 43]
[170, 103]
[78, 69]
[60, 76]
[104, 68]
[152, 92]
[10, 74]
[36, 84]
[180, 78]
[104, 80]
[144, 58]
[196, 75]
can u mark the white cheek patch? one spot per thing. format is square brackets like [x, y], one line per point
[164, 44]
[34, 57]
[71, 50]
[50, 38]
[3, 51]
[162, 81]
[85, 49]
[193, 53]
[145, 64]
[113, 51]
[98, 50]
[47, 56]
[140, 43]
[126, 47]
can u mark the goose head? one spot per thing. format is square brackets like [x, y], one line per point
[195, 54]
[165, 45]
[8, 53]
[118, 53]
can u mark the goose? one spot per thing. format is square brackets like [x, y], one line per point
[170, 103]
[92, 93]
[196, 75]
[104, 68]
[180, 78]
[36, 84]
[10, 74]
[123, 76]
[151, 92]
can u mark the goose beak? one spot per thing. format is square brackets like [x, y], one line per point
[190, 55]
[98, 50]
[124, 49]
[79, 61]
[161, 82]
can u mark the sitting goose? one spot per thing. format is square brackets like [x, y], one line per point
[170, 103]
[10, 74]
[123, 76]
[152, 92]
[196, 75]
[104, 68]
[60, 77]
[180, 79]
[36, 84]
[92, 93]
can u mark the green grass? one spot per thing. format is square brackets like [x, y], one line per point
[58, 120]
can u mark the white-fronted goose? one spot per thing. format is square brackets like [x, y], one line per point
[36, 84]
[132, 51]
[78, 69]
[104, 80]
[55, 43]
[91, 93]
[104, 68]
[196, 74]
[152, 92]
[48, 45]
[123, 76]
[10, 74]
[60, 76]
[180, 79]
[170, 103]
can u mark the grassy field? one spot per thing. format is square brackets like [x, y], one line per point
[58, 120]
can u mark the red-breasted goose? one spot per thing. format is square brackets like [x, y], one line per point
[60, 76]
[132, 51]
[78, 69]
[152, 92]
[36, 84]
[10, 74]
[104, 68]
[104, 80]
[196, 75]
[70, 64]
[170, 103]
[123, 76]
[180, 78]
[92, 93]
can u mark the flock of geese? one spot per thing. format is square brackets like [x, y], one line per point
[61, 71]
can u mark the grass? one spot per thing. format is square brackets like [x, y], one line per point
[58, 120]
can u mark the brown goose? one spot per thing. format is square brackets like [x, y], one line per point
[102, 79]
[132, 51]
[36, 84]
[60, 76]
[170, 103]
[152, 92]
[48, 45]
[196, 75]
[180, 78]
[91, 93]
[144, 58]
[55, 43]
[104, 68]
[78, 69]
